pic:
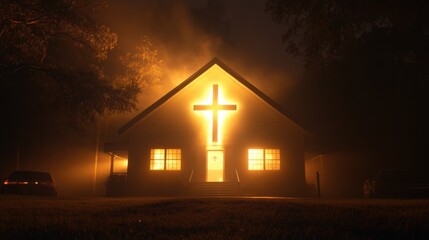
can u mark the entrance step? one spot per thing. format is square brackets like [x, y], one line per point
[214, 189]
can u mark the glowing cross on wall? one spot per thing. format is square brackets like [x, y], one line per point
[215, 107]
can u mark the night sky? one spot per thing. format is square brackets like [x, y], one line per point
[188, 34]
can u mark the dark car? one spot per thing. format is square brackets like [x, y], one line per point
[30, 183]
[397, 183]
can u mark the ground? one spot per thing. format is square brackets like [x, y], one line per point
[211, 218]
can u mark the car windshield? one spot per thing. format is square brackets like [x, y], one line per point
[29, 176]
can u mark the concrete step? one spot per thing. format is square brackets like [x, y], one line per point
[214, 188]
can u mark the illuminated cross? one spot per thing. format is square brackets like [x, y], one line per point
[215, 107]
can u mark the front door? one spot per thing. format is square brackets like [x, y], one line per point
[214, 166]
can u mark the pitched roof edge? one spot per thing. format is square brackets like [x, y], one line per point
[167, 96]
[179, 87]
[262, 95]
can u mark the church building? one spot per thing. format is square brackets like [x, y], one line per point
[213, 134]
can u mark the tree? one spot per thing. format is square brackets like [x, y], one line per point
[142, 67]
[55, 61]
[322, 31]
[366, 65]
[53, 56]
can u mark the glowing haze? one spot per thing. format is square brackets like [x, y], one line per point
[187, 34]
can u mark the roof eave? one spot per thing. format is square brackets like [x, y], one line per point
[230, 71]
[167, 96]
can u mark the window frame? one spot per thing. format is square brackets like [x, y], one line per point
[272, 163]
[256, 157]
[173, 159]
[166, 153]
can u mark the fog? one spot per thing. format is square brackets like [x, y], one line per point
[186, 34]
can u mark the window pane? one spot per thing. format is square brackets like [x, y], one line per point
[173, 160]
[256, 159]
[157, 157]
[120, 165]
[272, 159]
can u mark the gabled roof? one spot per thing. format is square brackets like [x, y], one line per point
[175, 90]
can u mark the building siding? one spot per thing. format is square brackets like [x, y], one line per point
[255, 124]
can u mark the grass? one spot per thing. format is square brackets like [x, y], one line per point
[211, 218]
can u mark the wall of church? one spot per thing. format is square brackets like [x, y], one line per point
[254, 124]
[167, 128]
[270, 133]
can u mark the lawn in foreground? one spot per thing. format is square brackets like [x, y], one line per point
[211, 218]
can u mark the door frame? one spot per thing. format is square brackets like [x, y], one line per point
[207, 165]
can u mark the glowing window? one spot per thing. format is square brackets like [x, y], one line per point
[165, 159]
[173, 159]
[120, 165]
[256, 159]
[264, 159]
[157, 157]
[272, 159]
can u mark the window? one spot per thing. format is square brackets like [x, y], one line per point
[272, 159]
[173, 159]
[157, 159]
[264, 159]
[165, 159]
[120, 165]
[256, 159]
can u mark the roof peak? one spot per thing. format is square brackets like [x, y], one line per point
[226, 68]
